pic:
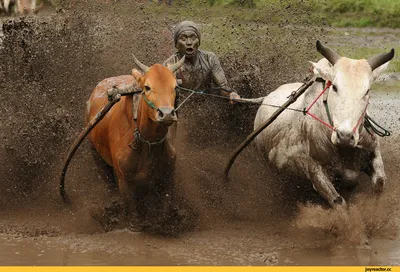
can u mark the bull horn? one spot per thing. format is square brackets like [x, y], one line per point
[177, 65]
[380, 59]
[141, 66]
[328, 53]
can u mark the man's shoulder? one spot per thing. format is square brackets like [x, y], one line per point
[207, 53]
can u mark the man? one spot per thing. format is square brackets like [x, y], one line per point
[202, 70]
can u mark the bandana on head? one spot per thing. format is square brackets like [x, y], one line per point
[183, 26]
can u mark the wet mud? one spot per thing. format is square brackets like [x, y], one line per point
[51, 62]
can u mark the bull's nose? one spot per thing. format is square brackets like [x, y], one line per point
[166, 115]
[345, 138]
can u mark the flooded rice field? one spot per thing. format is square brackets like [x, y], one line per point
[49, 66]
[278, 239]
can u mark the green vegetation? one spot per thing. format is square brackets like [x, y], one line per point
[361, 13]
[271, 29]
[340, 13]
[365, 52]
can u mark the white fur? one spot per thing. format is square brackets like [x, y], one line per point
[303, 147]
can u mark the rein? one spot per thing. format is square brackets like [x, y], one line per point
[139, 137]
[150, 103]
[307, 111]
[330, 125]
[368, 123]
[257, 101]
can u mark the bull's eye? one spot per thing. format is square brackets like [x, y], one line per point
[367, 92]
[334, 88]
[147, 88]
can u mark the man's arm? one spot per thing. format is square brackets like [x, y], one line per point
[219, 78]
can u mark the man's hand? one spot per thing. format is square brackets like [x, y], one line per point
[233, 95]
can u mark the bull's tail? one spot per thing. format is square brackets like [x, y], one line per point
[100, 115]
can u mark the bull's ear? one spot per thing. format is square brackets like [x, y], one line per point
[322, 70]
[136, 74]
[379, 70]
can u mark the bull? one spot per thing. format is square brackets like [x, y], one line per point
[134, 137]
[334, 146]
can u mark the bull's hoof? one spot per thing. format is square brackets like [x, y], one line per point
[107, 217]
[340, 203]
[137, 225]
[100, 217]
[364, 242]
[172, 223]
[378, 184]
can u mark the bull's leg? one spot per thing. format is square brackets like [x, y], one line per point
[376, 172]
[109, 215]
[105, 171]
[324, 186]
[126, 193]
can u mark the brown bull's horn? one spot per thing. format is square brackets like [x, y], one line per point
[380, 59]
[176, 66]
[141, 66]
[328, 53]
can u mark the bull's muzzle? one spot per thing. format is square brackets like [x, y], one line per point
[166, 115]
[345, 138]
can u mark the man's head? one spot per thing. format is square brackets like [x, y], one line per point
[187, 38]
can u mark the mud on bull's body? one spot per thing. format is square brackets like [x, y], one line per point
[300, 146]
[139, 150]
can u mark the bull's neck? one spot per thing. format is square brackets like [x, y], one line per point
[149, 129]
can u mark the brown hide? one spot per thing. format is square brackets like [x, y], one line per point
[134, 161]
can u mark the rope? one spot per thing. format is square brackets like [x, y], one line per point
[370, 123]
[139, 137]
[241, 100]
[186, 99]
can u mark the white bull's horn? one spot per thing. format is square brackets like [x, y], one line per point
[328, 53]
[177, 65]
[141, 66]
[380, 59]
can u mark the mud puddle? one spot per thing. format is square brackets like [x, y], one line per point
[381, 252]
[276, 240]
[227, 246]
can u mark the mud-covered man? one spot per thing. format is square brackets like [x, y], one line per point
[202, 70]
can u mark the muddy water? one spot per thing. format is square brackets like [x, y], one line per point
[276, 241]
[228, 245]
[247, 222]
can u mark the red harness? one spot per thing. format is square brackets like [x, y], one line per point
[331, 125]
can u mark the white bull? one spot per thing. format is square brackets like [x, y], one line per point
[337, 150]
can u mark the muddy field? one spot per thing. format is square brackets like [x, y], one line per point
[51, 62]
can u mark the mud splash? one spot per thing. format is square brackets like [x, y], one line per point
[49, 66]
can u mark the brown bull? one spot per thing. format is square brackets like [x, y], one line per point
[139, 151]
